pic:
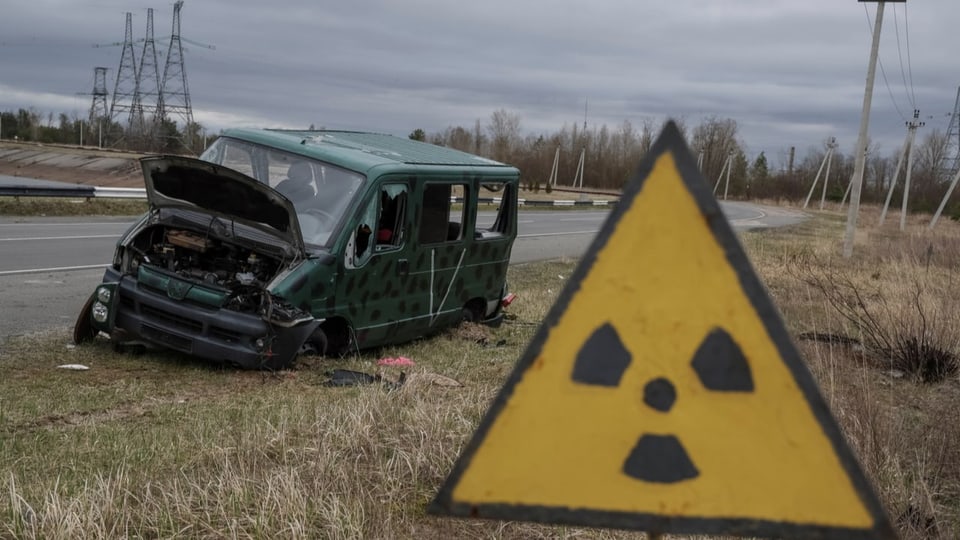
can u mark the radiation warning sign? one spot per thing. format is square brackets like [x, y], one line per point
[663, 393]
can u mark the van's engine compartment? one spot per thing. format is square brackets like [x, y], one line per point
[238, 271]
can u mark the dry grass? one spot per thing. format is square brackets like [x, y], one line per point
[42, 206]
[158, 445]
[898, 296]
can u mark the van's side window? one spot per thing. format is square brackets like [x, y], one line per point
[382, 224]
[436, 223]
[391, 230]
[503, 222]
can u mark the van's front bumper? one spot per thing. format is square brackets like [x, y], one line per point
[136, 313]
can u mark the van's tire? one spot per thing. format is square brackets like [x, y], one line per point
[337, 332]
[83, 330]
[316, 345]
[472, 312]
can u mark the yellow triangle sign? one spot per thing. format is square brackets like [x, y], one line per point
[663, 392]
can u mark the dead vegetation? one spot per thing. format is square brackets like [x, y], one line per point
[158, 445]
[38, 206]
[881, 332]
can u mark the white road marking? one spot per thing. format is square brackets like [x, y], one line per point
[761, 216]
[58, 269]
[72, 224]
[556, 234]
[39, 238]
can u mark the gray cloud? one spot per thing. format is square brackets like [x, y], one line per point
[791, 73]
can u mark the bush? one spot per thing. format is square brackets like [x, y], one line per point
[908, 328]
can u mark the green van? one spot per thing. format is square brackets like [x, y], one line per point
[275, 242]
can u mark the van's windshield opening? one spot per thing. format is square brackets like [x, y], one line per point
[320, 192]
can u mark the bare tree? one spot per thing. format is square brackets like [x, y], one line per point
[717, 139]
[504, 131]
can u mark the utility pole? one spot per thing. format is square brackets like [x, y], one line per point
[552, 181]
[726, 185]
[824, 163]
[912, 126]
[831, 147]
[860, 149]
[943, 203]
[907, 143]
[578, 175]
[723, 169]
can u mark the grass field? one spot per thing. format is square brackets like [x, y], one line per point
[45, 206]
[157, 445]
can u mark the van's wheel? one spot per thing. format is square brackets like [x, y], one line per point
[471, 313]
[83, 330]
[315, 345]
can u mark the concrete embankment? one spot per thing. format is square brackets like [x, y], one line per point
[74, 165]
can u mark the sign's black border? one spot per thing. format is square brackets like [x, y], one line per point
[671, 141]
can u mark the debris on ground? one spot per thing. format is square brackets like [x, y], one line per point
[823, 337]
[478, 333]
[347, 377]
[434, 379]
[73, 367]
[398, 361]
[472, 332]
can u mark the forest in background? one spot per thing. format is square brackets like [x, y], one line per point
[611, 155]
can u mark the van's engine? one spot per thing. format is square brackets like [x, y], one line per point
[194, 257]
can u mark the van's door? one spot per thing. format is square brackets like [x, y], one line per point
[376, 287]
[443, 232]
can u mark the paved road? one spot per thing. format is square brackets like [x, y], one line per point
[49, 265]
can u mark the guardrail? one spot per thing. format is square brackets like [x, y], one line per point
[87, 192]
[540, 202]
[78, 191]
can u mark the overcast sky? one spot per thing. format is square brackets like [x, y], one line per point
[789, 72]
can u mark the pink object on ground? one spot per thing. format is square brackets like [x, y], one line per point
[398, 361]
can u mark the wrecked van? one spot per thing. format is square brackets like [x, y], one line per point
[278, 242]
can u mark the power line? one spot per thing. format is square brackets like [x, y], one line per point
[903, 73]
[882, 71]
[906, 29]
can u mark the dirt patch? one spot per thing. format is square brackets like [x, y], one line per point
[71, 165]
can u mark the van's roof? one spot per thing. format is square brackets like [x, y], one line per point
[361, 151]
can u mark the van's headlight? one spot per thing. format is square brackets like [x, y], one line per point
[100, 312]
[104, 295]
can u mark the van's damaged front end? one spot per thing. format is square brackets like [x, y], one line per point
[196, 273]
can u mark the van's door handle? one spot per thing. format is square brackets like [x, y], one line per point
[403, 267]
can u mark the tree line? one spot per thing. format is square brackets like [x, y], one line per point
[164, 137]
[611, 155]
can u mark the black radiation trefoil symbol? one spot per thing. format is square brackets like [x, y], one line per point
[719, 364]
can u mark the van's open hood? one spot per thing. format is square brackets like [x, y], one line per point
[180, 182]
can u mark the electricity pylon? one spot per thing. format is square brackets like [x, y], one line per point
[174, 91]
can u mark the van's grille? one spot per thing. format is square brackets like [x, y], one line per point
[173, 320]
[168, 339]
[224, 334]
